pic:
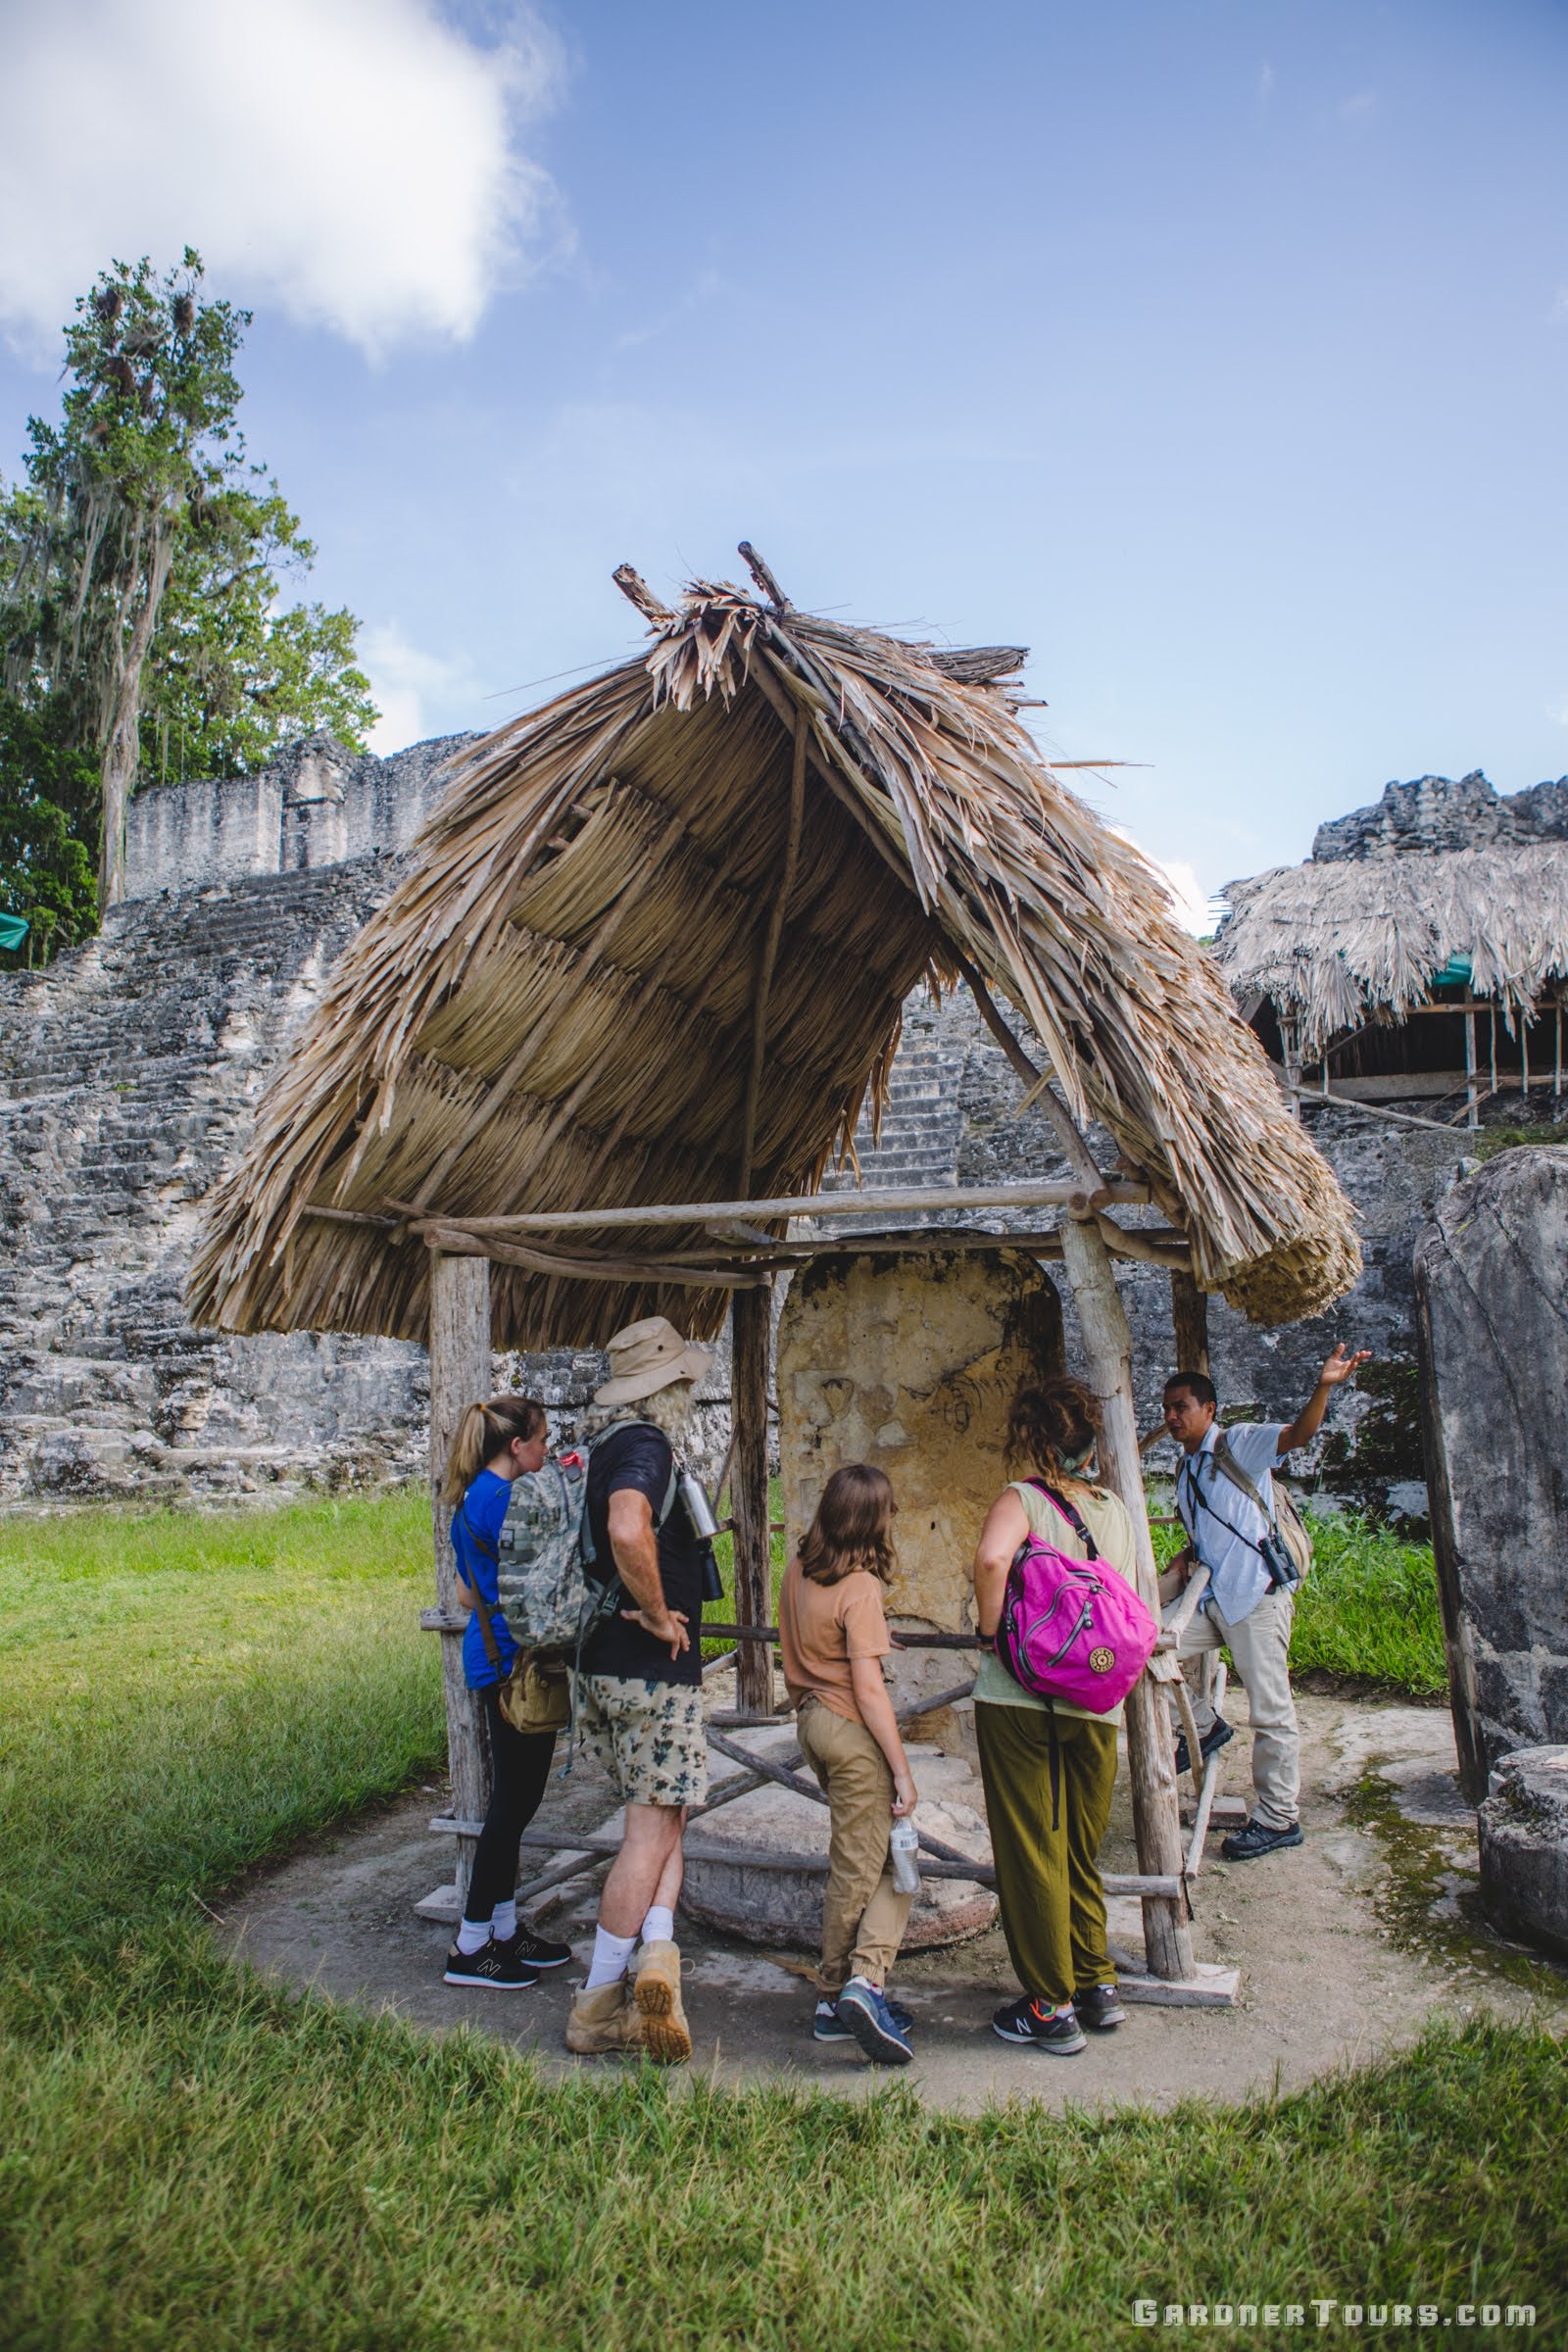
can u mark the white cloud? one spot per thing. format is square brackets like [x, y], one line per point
[1360, 107]
[353, 162]
[1559, 714]
[417, 694]
[1190, 902]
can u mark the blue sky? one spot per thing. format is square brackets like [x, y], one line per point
[1217, 351]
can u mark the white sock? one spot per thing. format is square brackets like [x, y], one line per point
[473, 1936]
[609, 1963]
[659, 1925]
[504, 1926]
[857, 1978]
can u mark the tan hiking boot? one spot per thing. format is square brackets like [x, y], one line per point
[604, 2021]
[667, 2035]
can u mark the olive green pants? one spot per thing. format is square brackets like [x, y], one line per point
[1053, 1904]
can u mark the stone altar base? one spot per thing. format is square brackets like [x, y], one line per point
[1523, 1847]
[772, 1906]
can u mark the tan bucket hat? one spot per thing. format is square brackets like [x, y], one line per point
[650, 1355]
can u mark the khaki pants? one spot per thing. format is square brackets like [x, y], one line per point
[1261, 1647]
[1052, 1903]
[863, 1914]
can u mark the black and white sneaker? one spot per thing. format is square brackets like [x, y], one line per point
[494, 1968]
[1041, 2028]
[536, 1951]
[1099, 2008]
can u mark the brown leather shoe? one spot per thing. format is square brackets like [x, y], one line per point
[603, 2022]
[667, 2035]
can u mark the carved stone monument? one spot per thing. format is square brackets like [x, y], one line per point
[1494, 1342]
[910, 1362]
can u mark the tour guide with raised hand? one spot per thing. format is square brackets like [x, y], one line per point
[639, 1695]
[1249, 1604]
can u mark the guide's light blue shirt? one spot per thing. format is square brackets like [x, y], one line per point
[1224, 1526]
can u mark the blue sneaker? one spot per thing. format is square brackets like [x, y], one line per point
[828, 2026]
[874, 2025]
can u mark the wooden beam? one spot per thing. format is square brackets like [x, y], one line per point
[890, 1200]
[746, 1857]
[460, 1375]
[1189, 1315]
[1157, 1812]
[763, 577]
[1374, 1110]
[458, 1242]
[751, 1340]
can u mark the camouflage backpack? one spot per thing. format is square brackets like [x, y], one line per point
[553, 1595]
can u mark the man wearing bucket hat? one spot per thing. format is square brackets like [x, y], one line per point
[639, 1692]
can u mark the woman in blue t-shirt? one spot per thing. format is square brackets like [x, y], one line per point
[496, 1442]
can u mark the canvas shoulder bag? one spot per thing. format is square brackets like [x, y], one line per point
[1285, 1522]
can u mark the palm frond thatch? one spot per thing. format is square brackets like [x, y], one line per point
[1339, 941]
[555, 1008]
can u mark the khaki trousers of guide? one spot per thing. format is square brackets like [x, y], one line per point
[1260, 1644]
[863, 1914]
[1048, 1886]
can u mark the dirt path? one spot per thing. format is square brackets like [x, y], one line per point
[1346, 1945]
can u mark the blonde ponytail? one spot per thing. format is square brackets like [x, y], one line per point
[483, 1432]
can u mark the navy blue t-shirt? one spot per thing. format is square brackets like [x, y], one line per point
[482, 1512]
[642, 1457]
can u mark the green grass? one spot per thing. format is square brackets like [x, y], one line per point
[191, 2158]
[1368, 1612]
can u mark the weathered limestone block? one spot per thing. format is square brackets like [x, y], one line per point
[1523, 1847]
[1492, 1331]
[910, 1363]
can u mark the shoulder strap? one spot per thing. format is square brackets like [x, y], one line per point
[670, 1492]
[1070, 1512]
[488, 1552]
[1226, 1461]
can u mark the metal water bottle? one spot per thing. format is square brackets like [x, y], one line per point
[699, 1510]
[905, 1843]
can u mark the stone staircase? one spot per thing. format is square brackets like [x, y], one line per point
[129, 1074]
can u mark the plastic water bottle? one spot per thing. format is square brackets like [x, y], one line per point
[905, 1843]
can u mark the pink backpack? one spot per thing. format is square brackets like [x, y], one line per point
[1071, 1629]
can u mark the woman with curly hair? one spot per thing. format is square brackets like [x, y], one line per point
[1048, 1767]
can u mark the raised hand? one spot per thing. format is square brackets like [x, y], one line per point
[1340, 1367]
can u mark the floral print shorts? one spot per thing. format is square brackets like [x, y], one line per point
[649, 1737]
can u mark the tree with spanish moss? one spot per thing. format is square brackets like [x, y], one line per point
[139, 563]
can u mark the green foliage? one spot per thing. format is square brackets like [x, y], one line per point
[1369, 1610]
[48, 823]
[1488, 1142]
[142, 561]
[232, 675]
[195, 2157]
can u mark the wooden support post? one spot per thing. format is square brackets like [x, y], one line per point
[752, 1330]
[1157, 1812]
[1189, 1315]
[1469, 1069]
[460, 1375]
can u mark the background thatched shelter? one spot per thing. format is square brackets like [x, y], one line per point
[559, 1004]
[1337, 944]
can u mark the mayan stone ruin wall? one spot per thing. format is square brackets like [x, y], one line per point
[128, 1072]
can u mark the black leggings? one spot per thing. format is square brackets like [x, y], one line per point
[520, 1767]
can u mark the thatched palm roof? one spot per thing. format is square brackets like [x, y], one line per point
[555, 1009]
[1340, 941]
